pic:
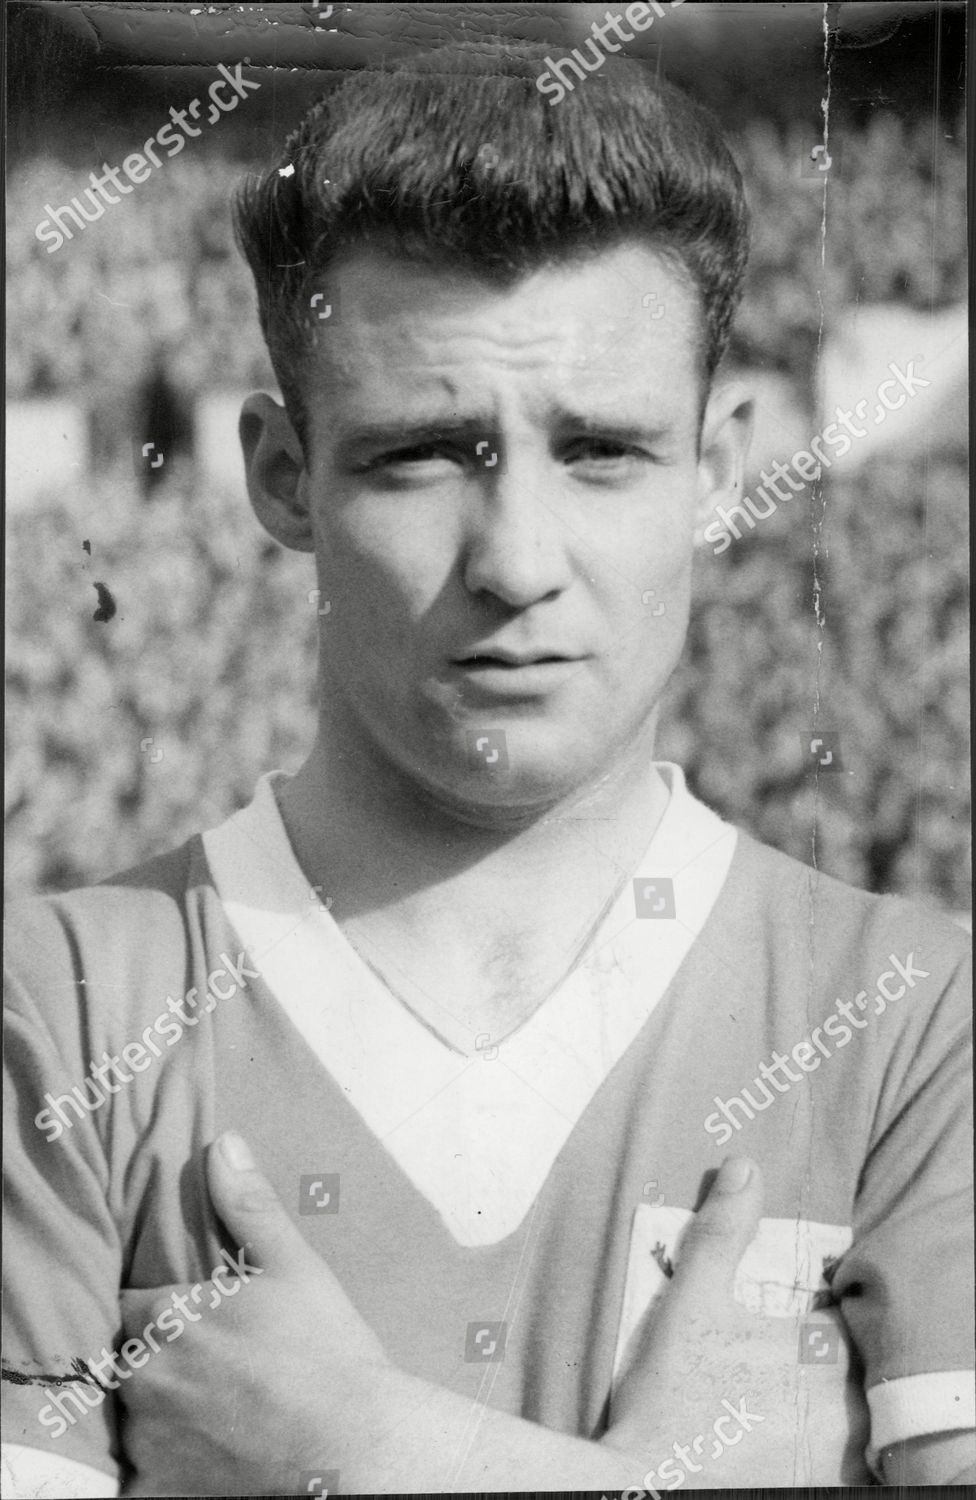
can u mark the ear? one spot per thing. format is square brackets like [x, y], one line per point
[277, 483]
[726, 435]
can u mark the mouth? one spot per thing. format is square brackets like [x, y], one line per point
[504, 674]
[510, 660]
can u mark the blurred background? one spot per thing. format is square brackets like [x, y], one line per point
[844, 613]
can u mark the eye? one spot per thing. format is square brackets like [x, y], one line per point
[420, 454]
[599, 448]
[604, 458]
[423, 462]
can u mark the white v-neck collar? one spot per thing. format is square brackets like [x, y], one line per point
[476, 1136]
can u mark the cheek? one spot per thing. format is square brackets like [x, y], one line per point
[375, 553]
[647, 558]
[646, 601]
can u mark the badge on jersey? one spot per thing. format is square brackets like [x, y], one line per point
[784, 1273]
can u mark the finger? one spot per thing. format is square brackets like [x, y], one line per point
[700, 1290]
[719, 1234]
[695, 1314]
[253, 1213]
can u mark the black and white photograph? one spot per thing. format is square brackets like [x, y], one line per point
[488, 988]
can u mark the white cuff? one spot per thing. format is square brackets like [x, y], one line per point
[917, 1405]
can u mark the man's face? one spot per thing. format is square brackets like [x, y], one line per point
[502, 485]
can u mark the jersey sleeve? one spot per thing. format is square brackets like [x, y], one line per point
[905, 1287]
[62, 1256]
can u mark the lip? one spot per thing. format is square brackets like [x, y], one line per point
[503, 656]
[499, 675]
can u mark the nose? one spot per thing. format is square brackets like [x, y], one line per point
[518, 546]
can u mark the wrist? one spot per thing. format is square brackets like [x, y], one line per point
[347, 1418]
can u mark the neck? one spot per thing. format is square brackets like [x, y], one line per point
[355, 818]
[470, 920]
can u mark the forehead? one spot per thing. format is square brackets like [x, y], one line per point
[611, 327]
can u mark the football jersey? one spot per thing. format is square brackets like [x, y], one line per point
[503, 1218]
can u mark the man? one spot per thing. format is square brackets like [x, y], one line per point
[483, 987]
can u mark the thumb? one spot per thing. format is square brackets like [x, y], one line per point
[252, 1211]
[706, 1259]
[719, 1234]
[696, 1315]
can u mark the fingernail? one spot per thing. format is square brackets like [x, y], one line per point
[733, 1174]
[235, 1153]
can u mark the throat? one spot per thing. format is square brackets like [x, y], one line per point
[478, 984]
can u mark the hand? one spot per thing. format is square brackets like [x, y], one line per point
[243, 1400]
[701, 1357]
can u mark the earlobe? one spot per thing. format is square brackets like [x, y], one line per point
[277, 482]
[726, 435]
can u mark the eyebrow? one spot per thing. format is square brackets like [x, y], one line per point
[400, 434]
[382, 435]
[596, 424]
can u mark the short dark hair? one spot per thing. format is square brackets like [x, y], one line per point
[456, 156]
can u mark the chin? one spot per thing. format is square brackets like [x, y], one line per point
[512, 804]
[523, 781]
